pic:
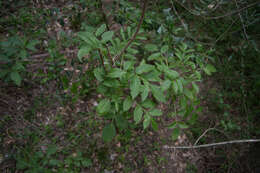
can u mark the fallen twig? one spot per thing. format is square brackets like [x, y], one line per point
[211, 145]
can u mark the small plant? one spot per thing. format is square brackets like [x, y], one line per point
[132, 87]
[14, 52]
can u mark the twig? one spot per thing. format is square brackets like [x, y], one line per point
[222, 16]
[135, 34]
[234, 12]
[242, 21]
[205, 134]
[185, 26]
[225, 31]
[211, 145]
[102, 59]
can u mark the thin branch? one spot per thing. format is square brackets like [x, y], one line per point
[235, 11]
[135, 34]
[211, 145]
[222, 16]
[102, 59]
[205, 134]
[242, 21]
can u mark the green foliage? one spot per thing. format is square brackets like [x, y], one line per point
[48, 161]
[159, 77]
[14, 57]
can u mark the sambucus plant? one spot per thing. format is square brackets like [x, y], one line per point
[133, 87]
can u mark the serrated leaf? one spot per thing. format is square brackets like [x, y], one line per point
[116, 73]
[88, 37]
[155, 112]
[82, 52]
[154, 124]
[132, 51]
[100, 30]
[175, 134]
[180, 86]
[138, 113]
[128, 65]
[99, 73]
[15, 76]
[144, 68]
[127, 104]
[107, 36]
[148, 104]
[154, 56]
[188, 94]
[171, 73]
[147, 120]
[153, 76]
[195, 87]
[145, 92]
[104, 106]
[164, 48]
[109, 132]
[166, 85]
[151, 47]
[135, 86]
[157, 93]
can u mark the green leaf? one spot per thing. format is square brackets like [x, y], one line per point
[164, 48]
[175, 133]
[145, 92]
[155, 112]
[127, 104]
[173, 125]
[175, 87]
[135, 86]
[107, 36]
[104, 106]
[128, 65]
[188, 94]
[171, 73]
[154, 56]
[157, 93]
[86, 163]
[138, 113]
[109, 132]
[99, 73]
[116, 73]
[15, 76]
[166, 85]
[180, 86]
[151, 47]
[183, 125]
[31, 45]
[153, 76]
[88, 37]
[54, 162]
[195, 87]
[144, 68]
[154, 124]
[100, 30]
[147, 120]
[148, 104]
[209, 69]
[82, 52]
[121, 122]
